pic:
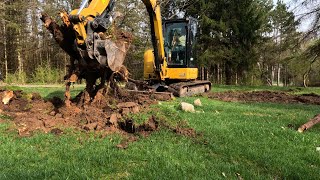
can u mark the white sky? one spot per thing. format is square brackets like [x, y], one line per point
[294, 5]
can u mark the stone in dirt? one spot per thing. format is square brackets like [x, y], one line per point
[114, 119]
[187, 107]
[125, 111]
[56, 131]
[23, 132]
[7, 96]
[129, 107]
[48, 123]
[197, 102]
[90, 127]
[135, 110]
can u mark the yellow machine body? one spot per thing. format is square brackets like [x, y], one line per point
[169, 73]
[95, 8]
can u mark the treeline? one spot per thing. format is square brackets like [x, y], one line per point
[254, 42]
[27, 51]
[250, 42]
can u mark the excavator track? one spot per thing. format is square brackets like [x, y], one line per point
[190, 88]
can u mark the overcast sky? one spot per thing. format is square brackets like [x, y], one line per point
[298, 10]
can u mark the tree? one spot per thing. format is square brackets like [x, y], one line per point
[229, 30]
[285, 39]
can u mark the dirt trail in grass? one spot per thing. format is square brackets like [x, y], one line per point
[265, 96]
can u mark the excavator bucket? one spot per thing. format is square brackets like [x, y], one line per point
[116, 53]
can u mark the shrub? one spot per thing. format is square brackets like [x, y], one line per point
[16, 78]
[47, 75]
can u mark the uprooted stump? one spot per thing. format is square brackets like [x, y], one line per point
[83, 66]
[309, 124]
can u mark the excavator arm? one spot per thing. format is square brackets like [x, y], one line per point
[97, 13]
[153, 8]
[88, 21]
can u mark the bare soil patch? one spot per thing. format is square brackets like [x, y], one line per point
[266, 96]
[106, 113]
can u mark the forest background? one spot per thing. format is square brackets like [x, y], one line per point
[247, 42]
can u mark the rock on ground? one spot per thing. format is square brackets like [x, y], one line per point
[197, 102]
[187, 107]
[7, 96]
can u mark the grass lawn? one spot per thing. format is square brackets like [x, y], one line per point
[248, 140]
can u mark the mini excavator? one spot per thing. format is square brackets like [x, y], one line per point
[169, 66]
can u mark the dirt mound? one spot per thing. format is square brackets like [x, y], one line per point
[265, 96]
[106, 112]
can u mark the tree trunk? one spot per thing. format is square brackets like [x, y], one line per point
[228, 73]
[5, 51]
[278, 75]
[272, 74]
[306, 74]
[19, 56]
[309, 124]
[236, 78]
[305, 79]
[218, 74]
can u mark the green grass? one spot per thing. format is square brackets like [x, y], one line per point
[48, 92]
[250, 139]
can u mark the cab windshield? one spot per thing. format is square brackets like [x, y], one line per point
[175, 43]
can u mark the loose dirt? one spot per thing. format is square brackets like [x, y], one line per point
[106, 113]
[265, 96]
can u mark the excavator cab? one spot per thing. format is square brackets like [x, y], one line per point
[179, 40]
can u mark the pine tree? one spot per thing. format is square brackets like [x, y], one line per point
[229, 31]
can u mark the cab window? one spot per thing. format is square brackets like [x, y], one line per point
[176, 43]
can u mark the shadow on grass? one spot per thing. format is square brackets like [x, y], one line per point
[59, 94]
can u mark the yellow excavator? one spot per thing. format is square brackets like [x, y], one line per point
[168, 66]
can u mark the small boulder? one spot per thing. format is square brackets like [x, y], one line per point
[135, 109]
[7, 96]
[126, 111]
[59, 115]
[114, 119]
[187, 107]
[56, 131]
[197, 102]
[90, 127]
